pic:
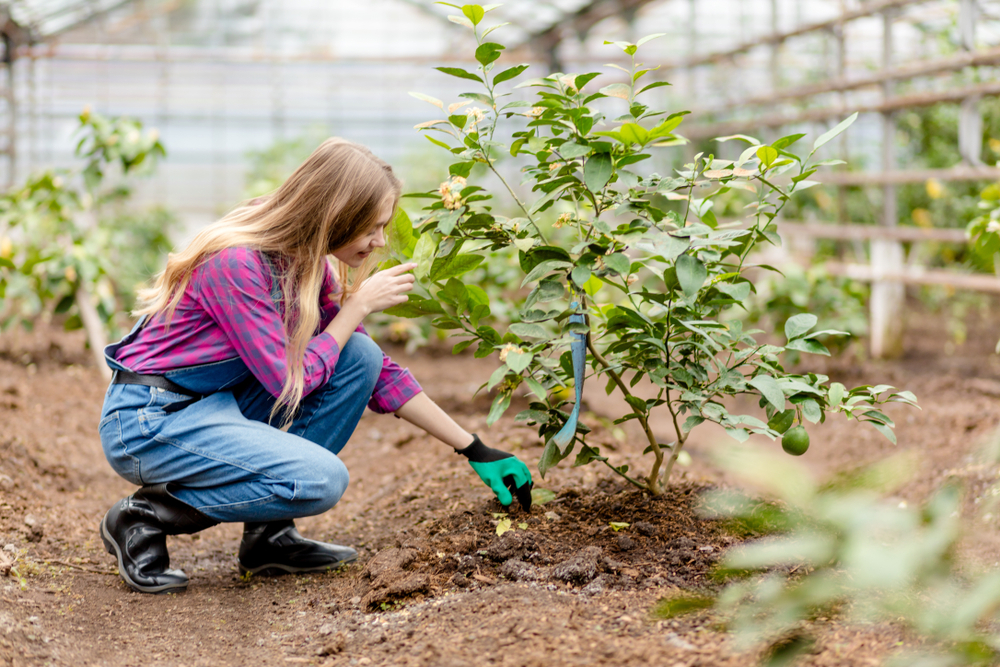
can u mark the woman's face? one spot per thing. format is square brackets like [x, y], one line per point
[353, 254]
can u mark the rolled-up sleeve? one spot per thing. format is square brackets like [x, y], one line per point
[234, 288]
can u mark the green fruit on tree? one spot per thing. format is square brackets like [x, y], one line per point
[795, 441]
[782, 421]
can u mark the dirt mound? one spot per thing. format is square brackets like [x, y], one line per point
[616, 539]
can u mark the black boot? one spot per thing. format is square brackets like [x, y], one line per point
[135, 531]
[275, 547]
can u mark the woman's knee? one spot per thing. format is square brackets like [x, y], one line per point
[326, 484]
[362, 352]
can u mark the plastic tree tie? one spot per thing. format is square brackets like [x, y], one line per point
[578, 349]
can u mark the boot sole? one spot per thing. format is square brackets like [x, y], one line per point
[113, 549]
[278, 569]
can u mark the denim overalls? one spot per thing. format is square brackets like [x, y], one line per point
[220, 452]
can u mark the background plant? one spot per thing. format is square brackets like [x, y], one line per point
[842, 549]
[652, 241]
[839, 302]
[68, 243]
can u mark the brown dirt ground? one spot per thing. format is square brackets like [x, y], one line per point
[435, 585]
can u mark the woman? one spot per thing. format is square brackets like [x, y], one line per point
[249, 370]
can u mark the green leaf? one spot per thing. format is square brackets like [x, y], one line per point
[836, 394]
[540, 496]
[593, 285]
[509, 74]
[475, 13]
[619, 263]
[518, 361]
[634, 133]
[65, 304]
[423, 253]
[444, 268]
[619, 90]
[427, 98]
[415, 306]
[580, 275]
[494, 27]
[542, 268]
[551, 456]
[884, 430]
[787, 141]
[655, 84]
[528, 330]
[597, 172]
[400, 233]
[538, 390]
[500, 405]
[770, 390]
[651, 37]
[691, 274]
[459, 72]
[808, 345]
[436, 143]
[767, 155]
[587, 455]
[736, 291]
[797, 325]
[811, 410]
[832, 134]
[570, 150]
[488, 52]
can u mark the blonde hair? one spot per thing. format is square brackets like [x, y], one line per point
[330, 201]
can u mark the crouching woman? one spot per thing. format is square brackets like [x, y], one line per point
[249, 370]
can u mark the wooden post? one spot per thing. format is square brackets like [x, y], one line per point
[970, 120]
[96, 337]
[886, 319]
[11, 99]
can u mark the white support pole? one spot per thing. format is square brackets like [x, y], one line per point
[970, 120]
[887, 298]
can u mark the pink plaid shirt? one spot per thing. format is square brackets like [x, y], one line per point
[227, 311]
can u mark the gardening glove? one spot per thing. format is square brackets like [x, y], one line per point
[502, 472]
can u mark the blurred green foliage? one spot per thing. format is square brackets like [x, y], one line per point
[847, 551]
[839, 302]
[68, 234]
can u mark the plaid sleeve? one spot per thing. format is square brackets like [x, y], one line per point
[234, 288]
[395, 386]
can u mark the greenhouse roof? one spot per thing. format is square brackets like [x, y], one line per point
[45, 18]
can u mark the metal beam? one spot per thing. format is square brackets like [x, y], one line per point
[912, 70]
[707, 130]
[774, 38]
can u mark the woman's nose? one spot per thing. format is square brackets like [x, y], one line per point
[379, 240]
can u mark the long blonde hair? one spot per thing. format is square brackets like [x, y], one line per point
[331, 200]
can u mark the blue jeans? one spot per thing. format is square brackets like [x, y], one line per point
[220, 452]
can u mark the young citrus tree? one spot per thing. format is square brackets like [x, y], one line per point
[632, 281]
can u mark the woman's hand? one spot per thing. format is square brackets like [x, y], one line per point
[383, 290]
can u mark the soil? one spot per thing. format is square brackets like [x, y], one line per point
[571, 583]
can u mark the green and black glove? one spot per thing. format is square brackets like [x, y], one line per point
[502, 472]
